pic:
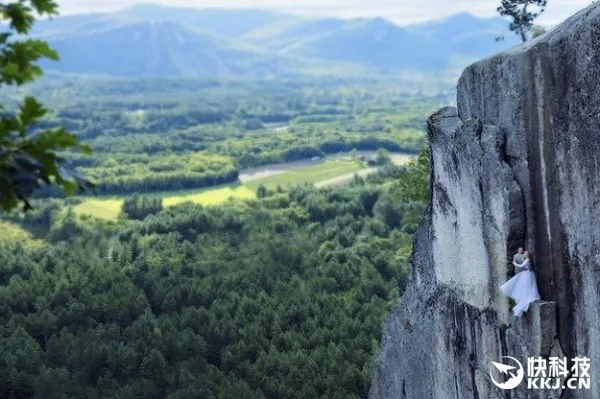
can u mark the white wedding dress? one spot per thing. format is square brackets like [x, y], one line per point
[523, 289]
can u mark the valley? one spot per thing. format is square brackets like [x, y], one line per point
[250, 184]
[223, 212]
[333, 170]
[197, 134]
[246, 203]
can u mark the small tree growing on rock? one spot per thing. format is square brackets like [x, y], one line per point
[522, 13]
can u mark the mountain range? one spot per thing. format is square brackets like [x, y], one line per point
[159, 41]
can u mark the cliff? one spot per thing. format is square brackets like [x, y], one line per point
[515, 165]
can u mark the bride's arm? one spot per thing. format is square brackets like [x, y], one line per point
[516, 264]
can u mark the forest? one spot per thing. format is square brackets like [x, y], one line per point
[277, 294]
[283, 296]
[173, 134]
[280, 295]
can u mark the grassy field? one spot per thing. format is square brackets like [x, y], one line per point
[109, 207]
[212, 196]
[105, 208]
[309, 174]
[11, 233]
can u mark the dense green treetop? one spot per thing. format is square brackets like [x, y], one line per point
[282, 297]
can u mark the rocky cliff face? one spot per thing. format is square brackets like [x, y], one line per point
[517, 164]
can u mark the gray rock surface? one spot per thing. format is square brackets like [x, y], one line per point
[516, 164]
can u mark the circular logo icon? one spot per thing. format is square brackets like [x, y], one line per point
[514, 374]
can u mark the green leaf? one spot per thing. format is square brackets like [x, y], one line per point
[9, 71]
[86, 149]
[19, 16]
[31, 111]
[42, 49]
[47, 7]
[70, 187]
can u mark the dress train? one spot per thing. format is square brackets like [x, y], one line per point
[522, 288]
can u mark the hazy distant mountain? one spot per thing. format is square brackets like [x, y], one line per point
[152, 49]
[153, 40]
[376, 43]
[75, 25]
[227, 23]
[466, 34]
[280, 35]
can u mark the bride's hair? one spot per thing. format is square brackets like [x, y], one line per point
[528, 255]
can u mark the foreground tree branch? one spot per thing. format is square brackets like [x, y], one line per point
[29, 158]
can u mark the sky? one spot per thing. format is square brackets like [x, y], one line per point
[399, 11]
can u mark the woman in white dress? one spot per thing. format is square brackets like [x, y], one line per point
[522, 287]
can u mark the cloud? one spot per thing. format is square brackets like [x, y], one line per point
[401, 11]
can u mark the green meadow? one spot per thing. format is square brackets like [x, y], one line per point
[13, 233]
[110, 207]
[309, 174]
